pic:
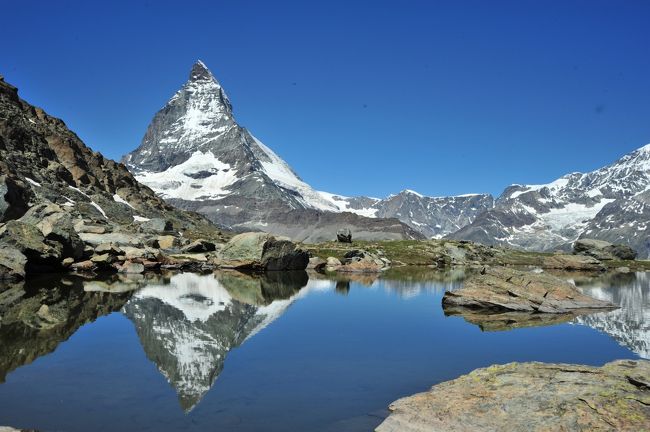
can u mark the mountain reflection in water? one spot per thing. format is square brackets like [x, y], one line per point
[187, 324]
[629, 325]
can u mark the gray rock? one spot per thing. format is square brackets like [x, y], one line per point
[12, 264]
[344, 235]
[603, 250]
[362, 261]
[503, 289]
[283, 255]
[262, 251]
[316, 263]
[156, 225]
[28, 240]
[531, 397]
[117, 238]
[15, 197]
[108, 248]
[132, 268]
[57, 226]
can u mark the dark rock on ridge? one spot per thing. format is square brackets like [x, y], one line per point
[603, 250]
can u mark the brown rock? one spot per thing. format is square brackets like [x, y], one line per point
[506, 289]
[572, 262]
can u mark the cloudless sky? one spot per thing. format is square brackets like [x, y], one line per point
[360, 97]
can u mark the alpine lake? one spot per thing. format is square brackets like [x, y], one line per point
[282, 351]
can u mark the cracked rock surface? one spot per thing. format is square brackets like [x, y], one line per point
[532, 397]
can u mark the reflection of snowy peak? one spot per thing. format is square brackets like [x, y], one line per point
[188, 326]
[629, 325]
[553, 215]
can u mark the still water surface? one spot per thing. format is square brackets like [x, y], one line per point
[231, 352]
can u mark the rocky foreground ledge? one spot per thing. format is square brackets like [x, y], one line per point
[531, 397]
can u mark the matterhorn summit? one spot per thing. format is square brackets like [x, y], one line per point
[197, 157]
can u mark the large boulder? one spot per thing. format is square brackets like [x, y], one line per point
[57, 226]
[344, 235]
[12, 264]
[532, 397]
[15, 197]
[27, 239]
[156, 225]
[603, 250]
[261, 251]
[504, 289]
[117, 238]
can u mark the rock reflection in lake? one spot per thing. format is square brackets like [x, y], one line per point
[188, 323]
[629, 325]
[500, 321]
[38, 315]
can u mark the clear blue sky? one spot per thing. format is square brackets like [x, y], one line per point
[359, 97]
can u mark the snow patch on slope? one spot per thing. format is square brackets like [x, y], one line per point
[201, 177]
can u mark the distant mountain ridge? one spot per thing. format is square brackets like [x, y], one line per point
[610, 203]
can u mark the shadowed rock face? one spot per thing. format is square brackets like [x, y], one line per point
[188, 323]
[36, 316]
[531, 397]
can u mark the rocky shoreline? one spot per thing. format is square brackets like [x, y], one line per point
[531, 397]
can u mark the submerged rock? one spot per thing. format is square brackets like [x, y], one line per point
[532, 397]
[603, 250]
[505, 289]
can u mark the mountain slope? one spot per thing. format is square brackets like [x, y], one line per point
[43, 162]
[608, 203]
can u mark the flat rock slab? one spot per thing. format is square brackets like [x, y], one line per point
[506, 289]
[532, 397]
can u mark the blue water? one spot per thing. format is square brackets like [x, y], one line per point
[329, 362]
